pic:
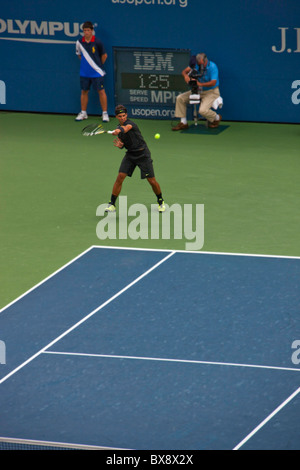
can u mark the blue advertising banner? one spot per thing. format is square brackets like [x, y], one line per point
[255, 44]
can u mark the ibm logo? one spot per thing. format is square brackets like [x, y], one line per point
[2, 352]
[2, 92]
[153, 61]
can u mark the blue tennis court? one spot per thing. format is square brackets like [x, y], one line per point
[166, 350]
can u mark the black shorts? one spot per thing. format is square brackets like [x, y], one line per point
[97, 83]
[144, 162]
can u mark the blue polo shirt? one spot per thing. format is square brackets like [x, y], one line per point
[90, 52]
[211, 72]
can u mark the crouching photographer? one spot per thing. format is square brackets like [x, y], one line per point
[202, 76]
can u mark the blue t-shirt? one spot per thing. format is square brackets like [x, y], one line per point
[211, 72]
[90, 52]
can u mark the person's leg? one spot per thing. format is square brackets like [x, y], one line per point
[115, 192]
[103, 100]
[182, 101]
[154, 185]
[207, 99]
[98, 84]
[118, 184]
[157, 191]
[84, 99]
[103, 103]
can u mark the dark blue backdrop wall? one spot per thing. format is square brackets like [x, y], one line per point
[255, 43]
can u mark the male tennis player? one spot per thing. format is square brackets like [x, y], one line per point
[92, 55]
[138, 154]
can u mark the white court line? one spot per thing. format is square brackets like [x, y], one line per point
[265, 421]
[248, 437]
[251, 255]
[112, 298]
[88, 316]
[142, 249]
[46, 279]
[161, 359]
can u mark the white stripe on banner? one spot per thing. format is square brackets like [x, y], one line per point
[42, 41]
[90, 60]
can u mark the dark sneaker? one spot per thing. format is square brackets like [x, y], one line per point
[215, 123]
[180, 127]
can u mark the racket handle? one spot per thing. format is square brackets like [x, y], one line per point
[110, 132]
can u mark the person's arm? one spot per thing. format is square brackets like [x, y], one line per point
[78, 51]
[124, 129]
[101, 50]
[211, 83]
[185, 74]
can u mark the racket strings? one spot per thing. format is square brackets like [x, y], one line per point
[93, 129]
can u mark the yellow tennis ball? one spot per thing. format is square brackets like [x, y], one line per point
[157, 136]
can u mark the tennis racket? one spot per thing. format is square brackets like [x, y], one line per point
[94, 129]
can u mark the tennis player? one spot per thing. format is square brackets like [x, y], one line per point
[138, 154]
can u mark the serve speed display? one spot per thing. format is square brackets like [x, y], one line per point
[148, 81]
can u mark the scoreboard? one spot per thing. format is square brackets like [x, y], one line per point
[147, 81]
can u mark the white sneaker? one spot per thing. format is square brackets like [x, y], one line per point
[161, 206]
[110, 208]
[81, 116]
[105, 117]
